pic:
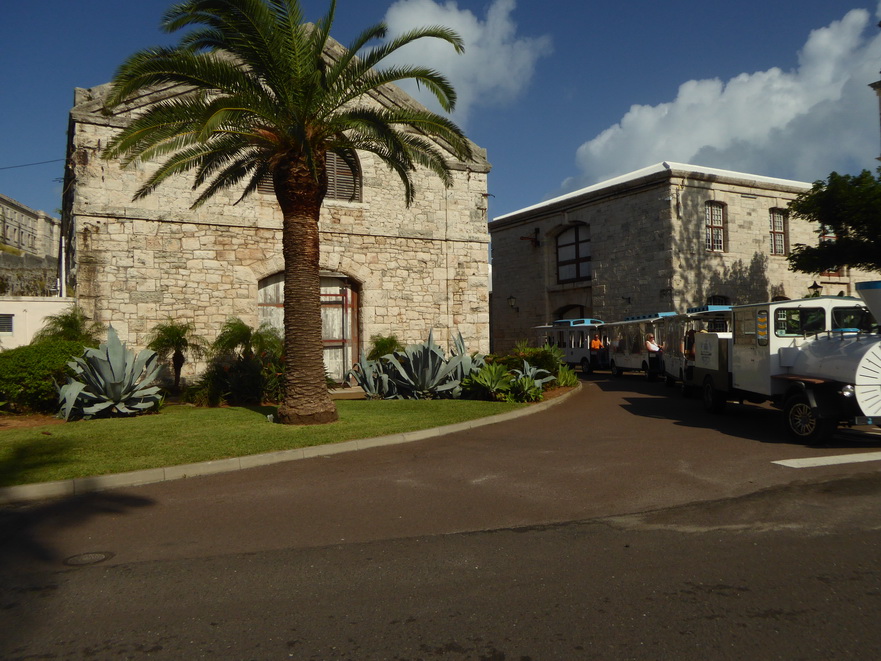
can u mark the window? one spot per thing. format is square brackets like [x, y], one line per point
[715, 227]
[799, 321]
[852, 318]
[6, 323]
[342, 182]
[778, 222]
[573, 255]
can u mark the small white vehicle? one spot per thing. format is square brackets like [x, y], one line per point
[629, 350]
[819, 359]
[574, 337]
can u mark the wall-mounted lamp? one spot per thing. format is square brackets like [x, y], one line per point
[512, 303]
[626, 299]
[815, 289]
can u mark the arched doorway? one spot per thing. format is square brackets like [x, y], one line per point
[339, 317]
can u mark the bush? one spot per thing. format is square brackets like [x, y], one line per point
[237, 382]
[547, 357]
[28, 375]
[491, 383]
[381, 345]
[566, 377]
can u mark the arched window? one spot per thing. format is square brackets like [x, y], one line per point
[714, 225]
[573, 254]
[339, 317]
[342, 182]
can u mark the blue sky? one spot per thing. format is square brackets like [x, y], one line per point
[562, 94]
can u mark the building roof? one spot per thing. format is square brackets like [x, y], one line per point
[665, 168]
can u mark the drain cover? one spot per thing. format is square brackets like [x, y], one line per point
[88, 558]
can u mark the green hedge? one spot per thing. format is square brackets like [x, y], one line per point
[28, 375]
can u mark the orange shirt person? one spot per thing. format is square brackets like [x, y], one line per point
[596, 342]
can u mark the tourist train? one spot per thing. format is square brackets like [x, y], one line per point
[818, 359]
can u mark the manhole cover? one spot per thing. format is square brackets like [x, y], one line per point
[88, 558]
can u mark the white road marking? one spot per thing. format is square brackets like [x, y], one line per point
[812, 462]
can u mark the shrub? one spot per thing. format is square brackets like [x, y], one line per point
[492, 382]
[28, 375]
[546, 357]
[525, 389]
[235, 382]
[246, 367]
[566, 377]
[381, 345]
[72, 325]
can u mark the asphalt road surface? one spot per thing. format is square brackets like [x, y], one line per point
[624, 523]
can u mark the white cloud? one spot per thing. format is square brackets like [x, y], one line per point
[800, 124]
[497, 64]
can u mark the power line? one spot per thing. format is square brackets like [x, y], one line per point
[27, 165]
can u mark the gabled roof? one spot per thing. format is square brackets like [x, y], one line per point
[665, 169]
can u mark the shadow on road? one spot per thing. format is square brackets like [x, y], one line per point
[756, 422]
[26, 531]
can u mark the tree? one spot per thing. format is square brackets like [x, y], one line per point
[847, 209]
[239, 339]
[72, 325]
[176, 339]
[271, 96]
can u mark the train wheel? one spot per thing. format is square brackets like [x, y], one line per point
[714, 401]
[669, 381]
[586, 367]
[802, 422]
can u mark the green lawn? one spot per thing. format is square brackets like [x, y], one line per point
[185, 434]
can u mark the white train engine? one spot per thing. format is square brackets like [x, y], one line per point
[819, 359]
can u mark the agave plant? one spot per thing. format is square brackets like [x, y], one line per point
[422, 371]
[110, 381]
[491, 382]
[525, 389]
[470, 363]
[538, 375]
[374, 381]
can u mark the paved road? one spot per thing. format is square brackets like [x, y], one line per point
[623, 523]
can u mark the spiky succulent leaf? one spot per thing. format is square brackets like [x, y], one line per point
[110, 380]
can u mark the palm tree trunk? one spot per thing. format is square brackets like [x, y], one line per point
[306, 399]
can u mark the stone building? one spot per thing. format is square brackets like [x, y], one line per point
[664, 238]
[30, 268]
[27, 230]
[387, 268]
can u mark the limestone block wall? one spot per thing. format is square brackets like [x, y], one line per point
[137, 263]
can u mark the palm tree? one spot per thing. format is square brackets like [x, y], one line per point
[71, 325]
[176, 339]
[270, 96]
[237, 337]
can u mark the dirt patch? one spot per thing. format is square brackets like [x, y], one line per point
[24, 421]
[556, 392]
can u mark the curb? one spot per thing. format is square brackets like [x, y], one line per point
[82, 485]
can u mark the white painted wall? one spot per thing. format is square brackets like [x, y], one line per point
[29, 313]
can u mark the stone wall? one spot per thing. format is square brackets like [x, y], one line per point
[27, 275]
[417, 268]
